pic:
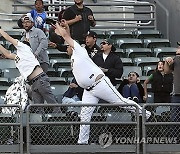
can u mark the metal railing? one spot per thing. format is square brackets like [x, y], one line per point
[11, 130]
[161, 133]
[115, 15]
[55, 129]
[112, 129]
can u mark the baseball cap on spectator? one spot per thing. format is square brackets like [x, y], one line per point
[92, 34]
[110, 42]
[28, 17]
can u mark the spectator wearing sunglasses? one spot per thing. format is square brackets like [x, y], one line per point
[131, 88]
[108, 61]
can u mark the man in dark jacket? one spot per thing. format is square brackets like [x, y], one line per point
[108, 61]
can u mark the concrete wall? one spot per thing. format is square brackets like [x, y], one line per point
[172, 29]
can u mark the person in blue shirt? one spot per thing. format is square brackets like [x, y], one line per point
[39, 15]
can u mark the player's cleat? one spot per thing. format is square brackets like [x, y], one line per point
[135, 99]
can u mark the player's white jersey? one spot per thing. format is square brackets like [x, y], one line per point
[25, 60]
[84, 69]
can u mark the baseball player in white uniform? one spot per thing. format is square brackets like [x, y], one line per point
[90, 77]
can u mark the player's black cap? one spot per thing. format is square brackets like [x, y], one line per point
[92, 34]
[111, 42]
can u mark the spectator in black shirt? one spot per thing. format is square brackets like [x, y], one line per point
[80, 18]
[91, 46]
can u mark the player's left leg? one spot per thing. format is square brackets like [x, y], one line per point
[106, 91]
[86, 113]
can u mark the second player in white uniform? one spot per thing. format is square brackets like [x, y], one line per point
[90, 77]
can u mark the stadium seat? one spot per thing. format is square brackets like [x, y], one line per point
[148, 70]
[147, 33]
[125, 43]
[56, 54]
[3, 90]
[15, 34]
[156, 42]
[164, 52]
[120, 52]
[60, 63]
[145, 61]
[101, 34]
[128, 69]
[127, 61]
[138, 52]
[99, 40]
[65, 72]
[161, 109]
[1, 100]
[52, 72]
[11, 73]
[119, 117]
[117, 34]
[59, 89]
[7, 63]
[58, 80]
[4, 81]
[150, 98]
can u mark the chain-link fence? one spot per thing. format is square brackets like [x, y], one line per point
[56, 129]
[161, 132]
[11, 133]
[112, 128]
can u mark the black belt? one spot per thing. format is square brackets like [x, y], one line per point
[93, 85]
[36, 78]
[176, 94]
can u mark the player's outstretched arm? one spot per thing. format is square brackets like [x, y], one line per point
[64, 32]
[8, 38]
[6, 53]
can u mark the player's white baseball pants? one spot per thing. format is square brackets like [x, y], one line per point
[106, 91]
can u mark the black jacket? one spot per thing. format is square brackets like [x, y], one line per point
[162, 84]
[74, 91]
[113, 63]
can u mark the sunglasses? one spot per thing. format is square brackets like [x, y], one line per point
[103, 43]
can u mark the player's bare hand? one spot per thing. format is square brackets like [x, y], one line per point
[73, 85]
